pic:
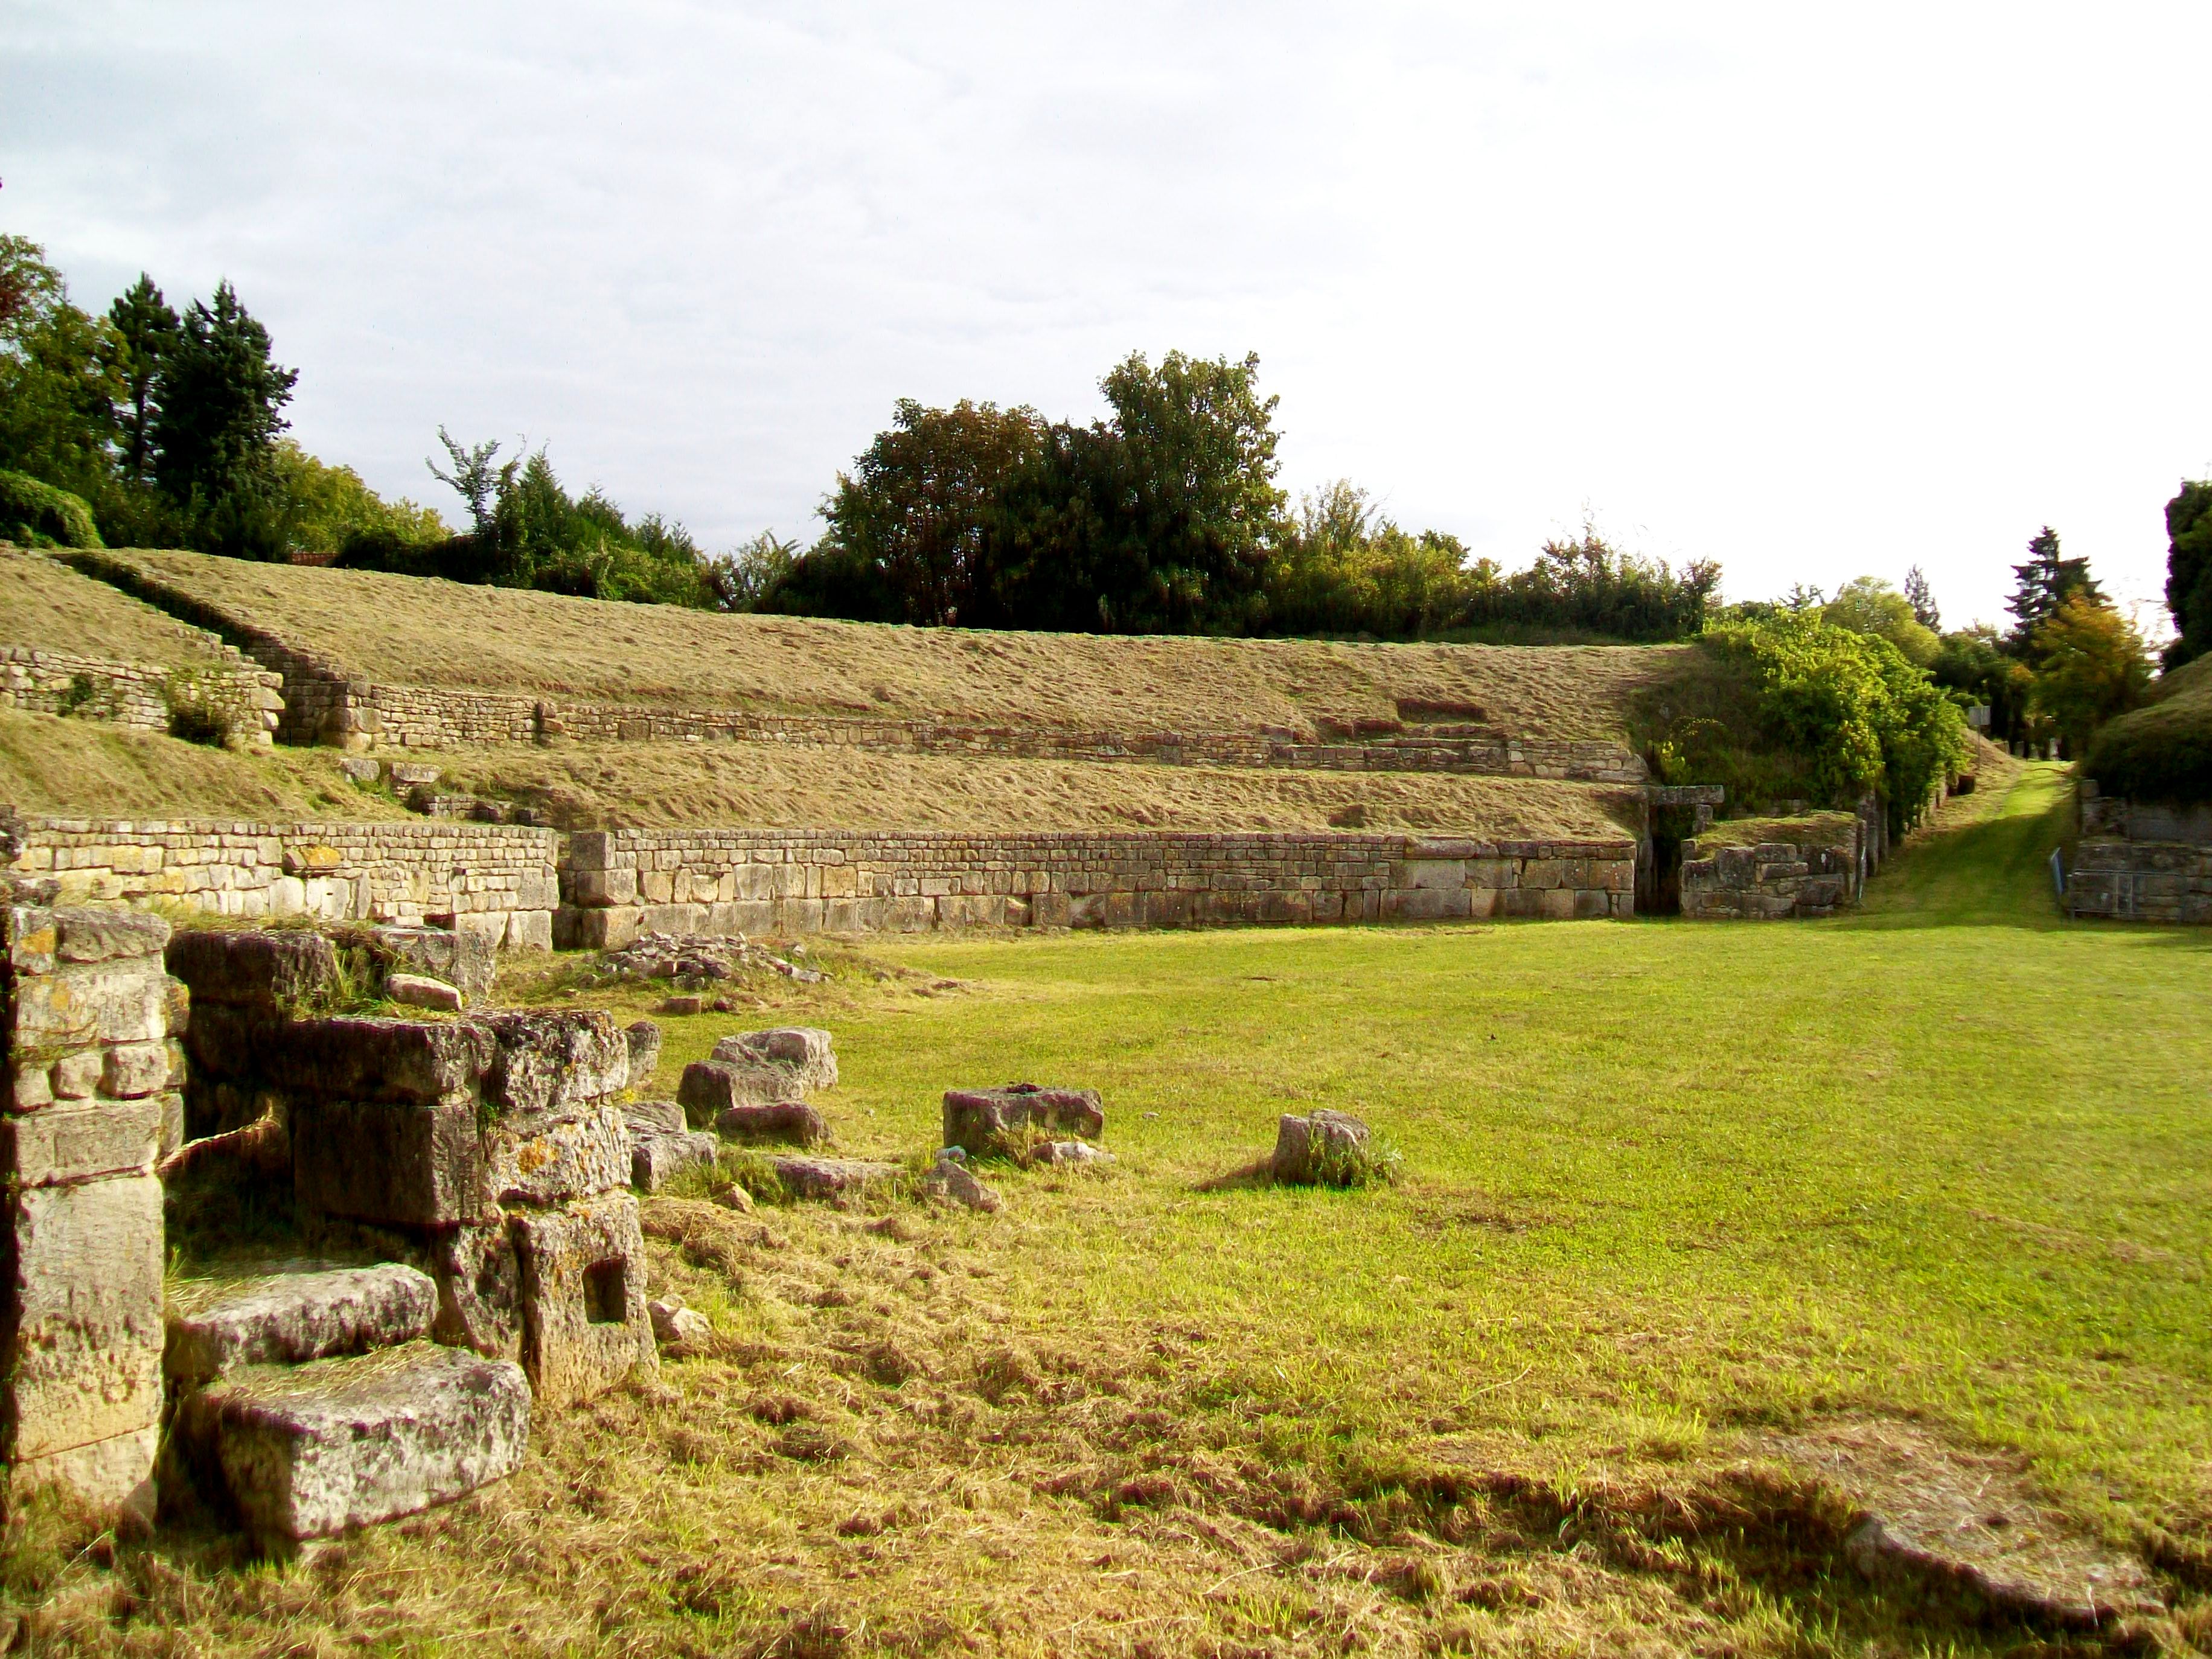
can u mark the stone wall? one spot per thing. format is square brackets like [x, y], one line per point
[2141, 881]
[237, 699]
[1810, 872]
[2117, 817]
[87, 1101]
[617, 883]
[497, 880]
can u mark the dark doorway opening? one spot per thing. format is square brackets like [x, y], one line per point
[1659, 870]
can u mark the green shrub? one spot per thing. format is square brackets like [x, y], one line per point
[2162, 752]
[39, 515]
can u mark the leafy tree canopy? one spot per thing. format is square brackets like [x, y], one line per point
[2091, 667]
[1868, 604]
[2188, 572]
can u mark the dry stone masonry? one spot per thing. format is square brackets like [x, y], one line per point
[231, 700]
[2140, 860]
[1807, 866]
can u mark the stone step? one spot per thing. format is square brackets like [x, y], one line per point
[287, 1312]
[305, 1451]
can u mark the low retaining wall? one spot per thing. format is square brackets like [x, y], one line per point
[495, 880]
[88, 1099]
[2142, 881]
[1808, 874]
[239, 701]
[618, 883]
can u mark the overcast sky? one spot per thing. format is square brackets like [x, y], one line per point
[1815, 292]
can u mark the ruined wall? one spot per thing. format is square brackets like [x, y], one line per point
[87, 1101]
[497, 880]
[1806, 873]
[617, 884]
[239, 699]
[2141, 881]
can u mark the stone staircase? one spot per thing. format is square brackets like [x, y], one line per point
[307, 1398]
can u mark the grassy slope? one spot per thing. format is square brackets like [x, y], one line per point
[50, 607]
[409, 631]
[2163, 752]
[1666, 1185]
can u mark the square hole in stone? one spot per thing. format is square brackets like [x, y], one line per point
[606, 1286]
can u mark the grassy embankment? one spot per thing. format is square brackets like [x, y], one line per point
[1668, 1187]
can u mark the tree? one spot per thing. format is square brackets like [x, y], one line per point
[214, 433]
[2091, 667]
[1922, 599]
[919, 502]
[1975, 662]
[145, 334]
[326, 506]
[2045, 581]
[2188, 572]
[1868, 604]
[58, 384]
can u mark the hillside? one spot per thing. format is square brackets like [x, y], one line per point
[2162, 752]
[417, 631]
[50, 607]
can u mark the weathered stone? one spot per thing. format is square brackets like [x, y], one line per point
[793, 1120]
[1081, 1154]
[583, 1296]
[734, 1197]
[952, 1179]
[372, 1058]
[831, 1177]
[123, 1000]
[644, 1039]
[31, 1086]
[73, 1140]
[479, 1289]
[362, 769]
[994, 1122]
[655, 1117]
[402, 1164]
[271, 972]
[420, 991]
[102, 935]
[804, 1051]
[76, 1077]
[293, 1314]
[657, 1158]
[551, 1061]
[410, 775]
[461, 957]
[710, 1087]
[305, 1451]
[1316, 1147]
[677, 1326]
[84, 1276]
[683, 1005]
[129, 1069]
[117, 1472]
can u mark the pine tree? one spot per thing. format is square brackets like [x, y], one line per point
[146, 328]
[214, 432]
[2045, 582]
[1922, 599]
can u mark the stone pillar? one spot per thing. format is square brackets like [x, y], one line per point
[87, 1102]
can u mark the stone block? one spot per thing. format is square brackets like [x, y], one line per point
[790, 1121]
[1556, 903]
[584, 1322]
[711, 1087]
[74, 1140]
[530, 929]
[421, 991]
[310, 1450]
[601, 890]
[598, 930]
[831, 1177]
[540, 1157]
[464, 960]
[121, 1000]
[643, 1038]
[114, 1474]
[479, 1283]
[86, 935]
[1319, 1147]
[84, 1278]
[403, 1164]
[552, 1062]
[659, 1157]
[292, 1313]
[130, 1069]
[76, 1077]
[805, 1051]
[995, 1122]
[371, 1058]
[272, 973]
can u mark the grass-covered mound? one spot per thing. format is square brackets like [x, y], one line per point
[2162, 752]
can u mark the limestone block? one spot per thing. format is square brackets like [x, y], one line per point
[1556, 904]
[551, 1061]
[406, 1163]
[831, 1177]
[657, 1157]
[952, 1179]
[293, 1314]
[106, 935]
[76, 1077]
[539, 1157]
[1316, 1147]
[479, 1283]
[584, 1322]
[711, 1087]
[270, 972]
[421, 991]
[464, 960]
[310, 1450]
[71, 1141]
[120, 1001]
[655, 1117]
[1591, 903]
[84, 1274]
[990, 1122]
[805, 1051]
[531, 929]
[792, 1120]
[131, 1069]
[374, 1058]
[643, 1039]
[117, 1472]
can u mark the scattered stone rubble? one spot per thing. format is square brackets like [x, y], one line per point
[1006, 1122]
[696, 961]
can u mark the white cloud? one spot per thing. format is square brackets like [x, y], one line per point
[1813, 293]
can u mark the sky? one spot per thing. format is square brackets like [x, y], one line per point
[1816, 292]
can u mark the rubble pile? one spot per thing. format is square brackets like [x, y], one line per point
[693, 962]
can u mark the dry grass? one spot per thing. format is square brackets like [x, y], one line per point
[405, 629]
[85, 768]
[50, 607]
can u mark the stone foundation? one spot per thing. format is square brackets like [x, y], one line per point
[2141, 881]
[237, 700]
[618, 883]
[1810, 872]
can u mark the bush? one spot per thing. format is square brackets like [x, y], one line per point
[2162, 752]
[38, 515]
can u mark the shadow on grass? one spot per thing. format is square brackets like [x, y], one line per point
[1246, 1177]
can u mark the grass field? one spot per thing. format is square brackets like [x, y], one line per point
[50, 607]
[411, 630]
[1669, 1191]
